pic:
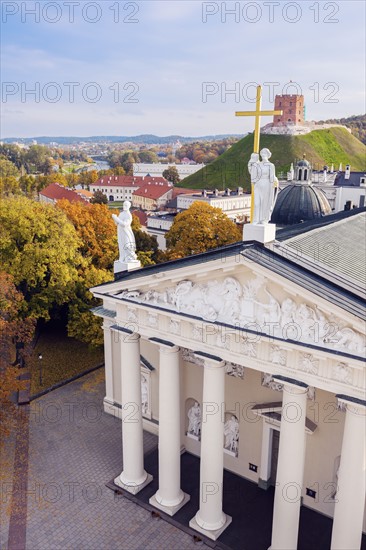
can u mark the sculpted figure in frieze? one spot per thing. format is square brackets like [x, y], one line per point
[229, 301]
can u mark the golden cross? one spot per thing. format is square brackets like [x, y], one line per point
[257, 114]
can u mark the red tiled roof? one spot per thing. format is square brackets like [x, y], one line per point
[84, 192]
[152, 190]
[127, 181]
[55, 191]
[179, 191]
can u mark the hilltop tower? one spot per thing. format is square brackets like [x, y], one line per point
[293, 110]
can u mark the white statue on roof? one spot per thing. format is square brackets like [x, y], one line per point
[263, 177]
[126, 239]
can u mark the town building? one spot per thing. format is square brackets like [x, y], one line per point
[235, 204]
[121, 188]
[158, 224]
[55, 192]
[152, 195]
[157, 169]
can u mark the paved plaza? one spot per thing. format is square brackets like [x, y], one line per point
[74, 449]
[54, 494]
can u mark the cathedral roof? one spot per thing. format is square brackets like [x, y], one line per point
[300, 202]
[328, 278]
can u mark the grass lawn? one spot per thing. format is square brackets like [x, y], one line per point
[62, 358]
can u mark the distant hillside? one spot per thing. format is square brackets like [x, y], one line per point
[356, 123]
[148, 139]
[321, 147]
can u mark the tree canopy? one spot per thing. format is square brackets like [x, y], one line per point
[40, 250]
[14, 330]
[199, 228]
[171, 174]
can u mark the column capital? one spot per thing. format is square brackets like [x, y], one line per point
[210, 361]
[135, 335]
[164, 345]
[353, 405]
[291, 385]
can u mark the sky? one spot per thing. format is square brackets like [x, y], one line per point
[82, 68]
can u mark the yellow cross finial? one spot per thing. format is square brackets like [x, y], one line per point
[257, 114]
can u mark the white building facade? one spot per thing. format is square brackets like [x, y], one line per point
[246, 343]
[157, 169]
[235, 204]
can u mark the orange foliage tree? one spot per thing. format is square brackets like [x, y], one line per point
[16, 333]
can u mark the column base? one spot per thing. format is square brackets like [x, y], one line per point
[264, 483]
[133, 488]
[108, 405]
[211, 534]
[170, 510]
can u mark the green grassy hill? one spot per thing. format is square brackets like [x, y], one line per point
[321, 147]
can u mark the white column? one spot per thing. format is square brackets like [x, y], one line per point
[169, 497]
[133, 477]
[210, 518]
[290, 467]
[350, 496]
[108, 366]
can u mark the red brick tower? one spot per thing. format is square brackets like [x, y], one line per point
[293, 110]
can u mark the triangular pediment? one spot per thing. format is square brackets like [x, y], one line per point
[232, 290]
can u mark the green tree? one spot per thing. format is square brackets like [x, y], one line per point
[200, 228]
[39, 248]
[148, 157]
[28, 185]
[171, 174]
[99, 198]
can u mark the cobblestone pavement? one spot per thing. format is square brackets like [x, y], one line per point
[75, 448]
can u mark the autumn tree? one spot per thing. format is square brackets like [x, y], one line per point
[96, 229]
[15, 337]
[199, 228]
[171, 174]
[98, 245]
[40, 249]
[9, 173]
